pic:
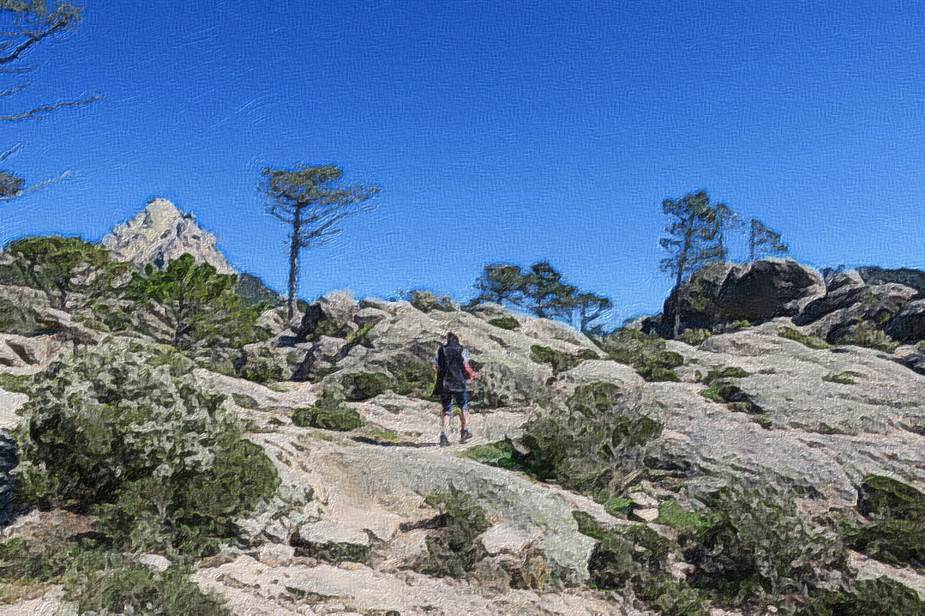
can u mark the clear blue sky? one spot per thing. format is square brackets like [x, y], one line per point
[498, 130]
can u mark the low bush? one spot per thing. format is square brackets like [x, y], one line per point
[365, 385]
[328, 413]
[17, 383]
[18, 318]
[896, 532]
[695, 337]
[426, 301]
[638, 557]
[866, 334]
[724, 372]
[671, 514]
[645, 352]
[844, 378]
[867, 597]
[100, 581]
[499, 453]
[733, 396]
[453, 549]
[124, 431]
[415, 379]
[592, 444]
[559, 361]
[813, 342]
[505, 322]
[758, 547]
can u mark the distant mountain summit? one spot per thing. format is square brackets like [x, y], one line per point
[160, 233]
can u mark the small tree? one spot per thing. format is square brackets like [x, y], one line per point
[763, 240]
[549, 295]
[310, 201]
[589, 307]
[501, 283]
[695, 237]
[190, 304]
[66, 269]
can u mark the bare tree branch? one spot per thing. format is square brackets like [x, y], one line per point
[35, 38]
[13, 91]
[13, 151]
[49, 108]
[40, 186]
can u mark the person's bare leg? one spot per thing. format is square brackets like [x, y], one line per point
[464, 421]
[446, 423]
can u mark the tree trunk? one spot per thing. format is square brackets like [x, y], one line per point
[294, 262]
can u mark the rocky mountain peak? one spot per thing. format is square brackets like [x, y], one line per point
[161, 233]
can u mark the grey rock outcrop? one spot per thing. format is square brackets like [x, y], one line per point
[756, 292]
[160, 233]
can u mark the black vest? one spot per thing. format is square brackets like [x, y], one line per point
[451, 368]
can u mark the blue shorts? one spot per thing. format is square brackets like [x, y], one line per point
[461, 398]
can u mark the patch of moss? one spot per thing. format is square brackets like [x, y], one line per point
[618, 506]
[328, 413]
[732, 395]
[499, 453]
[896, 534]
[725, 372]
[670, 513]
[333, 552]
[813, 342]
[415, 379]
[844, 378]
[506, 322]
[646, 353]
[885, 497]
[244, 401]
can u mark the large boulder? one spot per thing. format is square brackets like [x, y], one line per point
[850, 303]
[332, 315]
[758, 292]
[909, 324]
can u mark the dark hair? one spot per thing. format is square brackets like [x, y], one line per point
[452, 338]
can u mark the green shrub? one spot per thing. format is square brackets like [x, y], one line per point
[639, 557]
[670, 513]
[328, 413]
[868, 597]
[18, 318]
[866, 334]
[365, 385]
[591, 444]
[124, 433]
[453, 548]
[646, 353]
[725, 372]
[499, 453]
[732, 395]
[884, 497]
[758, 546]
[415, 379]
[695, 337]
[426, 301]
[559, 361]
[99, 580]
[261, 366]
[18, 383]
[896, 534]
[813, 342]
[505, 322]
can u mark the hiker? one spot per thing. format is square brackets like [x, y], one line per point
[453, 373]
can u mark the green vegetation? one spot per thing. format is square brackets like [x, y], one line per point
[365, 385]
[813, 342]
[844, 378]
[66, 269]
[878, 596]
[896, 531]
[724, 372]
[505, 322]
[499, 453]
[99, 580]
[453, 548]
[543, 291]
[646, 353]
[638, 556]
[414, 379]
[559, 361]
[313, 204]
[328, 413]
[735, 399]
[18, 383]
[591, 445]
[670, 513]
[17, 317]
[867, 334]
[197, 307]
[125, 433]
[695, 337]
[758, 548]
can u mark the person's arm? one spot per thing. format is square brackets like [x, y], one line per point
[470, 373]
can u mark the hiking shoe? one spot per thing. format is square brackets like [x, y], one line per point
[444, 441]
[465, 435]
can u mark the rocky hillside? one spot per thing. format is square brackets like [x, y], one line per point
[750, 468]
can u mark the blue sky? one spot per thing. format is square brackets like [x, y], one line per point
[511, 131]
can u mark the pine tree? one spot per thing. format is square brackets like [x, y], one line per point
[764, 241]
[311, 202]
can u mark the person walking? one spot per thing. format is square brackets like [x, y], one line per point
[453, 374]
